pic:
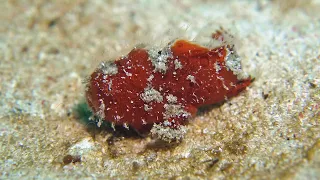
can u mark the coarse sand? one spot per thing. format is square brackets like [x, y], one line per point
[48, 48]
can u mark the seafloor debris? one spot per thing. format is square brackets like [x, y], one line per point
[71, 159]
[160, 89]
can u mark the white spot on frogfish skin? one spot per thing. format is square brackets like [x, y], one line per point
[171, 98]
[233, 63]
[110, 85]
[175, 110]
[108, 68]
[144, 122]
[147, 107]
[150, 94]
[127, 73]
[159, 58]
[177, 64]
[223, 84]
[150, 78]
[166, 123]
[192, 79]
[217, 67]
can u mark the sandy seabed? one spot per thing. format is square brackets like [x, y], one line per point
[269, 131]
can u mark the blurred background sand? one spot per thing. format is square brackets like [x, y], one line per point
[49, 47]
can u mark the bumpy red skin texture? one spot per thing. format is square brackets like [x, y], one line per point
[123, 102]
